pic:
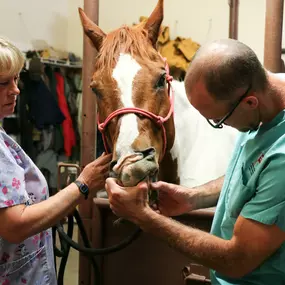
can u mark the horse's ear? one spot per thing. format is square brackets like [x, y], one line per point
[91, 30]
[153, 23]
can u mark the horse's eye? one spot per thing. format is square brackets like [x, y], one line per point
[161, 82]
[96, 92]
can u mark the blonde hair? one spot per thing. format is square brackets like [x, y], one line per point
[11, 58]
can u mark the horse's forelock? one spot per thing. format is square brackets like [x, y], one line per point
[132, 40]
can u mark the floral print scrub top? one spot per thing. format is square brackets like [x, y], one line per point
[21, 182]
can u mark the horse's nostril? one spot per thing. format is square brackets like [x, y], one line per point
[148, 152]
[112, 164]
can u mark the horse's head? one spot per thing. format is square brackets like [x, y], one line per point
[134, 106]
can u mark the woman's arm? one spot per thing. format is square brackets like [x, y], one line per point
[20, 222]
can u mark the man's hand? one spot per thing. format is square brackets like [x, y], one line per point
[174, 200]
[130, 203]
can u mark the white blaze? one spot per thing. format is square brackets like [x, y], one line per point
[124, 74]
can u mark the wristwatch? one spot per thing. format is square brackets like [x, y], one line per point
[83, 188]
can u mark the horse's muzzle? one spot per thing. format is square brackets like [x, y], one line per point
[135, 167]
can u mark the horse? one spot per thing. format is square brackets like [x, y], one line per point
[146, 120]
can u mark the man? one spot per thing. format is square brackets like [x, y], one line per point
[228, 85]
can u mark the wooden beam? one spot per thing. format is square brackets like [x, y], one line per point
[88, 138]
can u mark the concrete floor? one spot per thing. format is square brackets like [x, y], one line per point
[71, 270]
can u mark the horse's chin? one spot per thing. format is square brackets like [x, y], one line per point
[134, 169]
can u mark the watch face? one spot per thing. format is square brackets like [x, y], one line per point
[84, 188]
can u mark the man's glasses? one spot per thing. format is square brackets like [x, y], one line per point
[220, 123]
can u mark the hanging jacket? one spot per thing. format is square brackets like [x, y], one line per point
[43, 109]
[68, 131]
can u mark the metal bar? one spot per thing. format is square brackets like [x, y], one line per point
[88, 138]
[273, 35]
[233, 22]
[59, 173]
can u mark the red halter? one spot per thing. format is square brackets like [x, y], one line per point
[158, 120]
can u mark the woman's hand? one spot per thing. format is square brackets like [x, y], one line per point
[95, 173]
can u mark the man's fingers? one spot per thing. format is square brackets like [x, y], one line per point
[110, 183]
[160, 185]
[142, 186]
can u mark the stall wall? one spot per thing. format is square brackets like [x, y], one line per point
[201, 20]
[28, 20]
[57, 22]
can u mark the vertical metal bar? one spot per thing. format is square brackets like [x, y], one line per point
[273, 35]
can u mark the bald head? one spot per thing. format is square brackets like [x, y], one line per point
[225, 66]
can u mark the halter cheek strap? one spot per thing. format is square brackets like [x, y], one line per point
[158, 120]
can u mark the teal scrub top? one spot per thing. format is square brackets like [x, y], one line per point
[254, 188]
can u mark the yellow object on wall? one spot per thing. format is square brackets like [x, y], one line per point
[178, 52]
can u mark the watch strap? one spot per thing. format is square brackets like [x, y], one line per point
[83, 188]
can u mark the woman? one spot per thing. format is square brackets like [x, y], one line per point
[26, 252]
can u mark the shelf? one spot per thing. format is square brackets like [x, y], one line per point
[61, 63]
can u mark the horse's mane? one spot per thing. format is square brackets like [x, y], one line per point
[132, 40]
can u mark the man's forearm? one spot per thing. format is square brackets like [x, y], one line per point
[208, 194]
[202, 247]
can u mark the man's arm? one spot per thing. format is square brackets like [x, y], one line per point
[233, 258]
[252, 242]
[174, 200]
[207, 195]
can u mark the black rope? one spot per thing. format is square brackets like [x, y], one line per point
[86, 242]
[65, 250]
[67, 242]
[95, 251]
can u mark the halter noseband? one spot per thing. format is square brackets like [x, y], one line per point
[158, 120]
